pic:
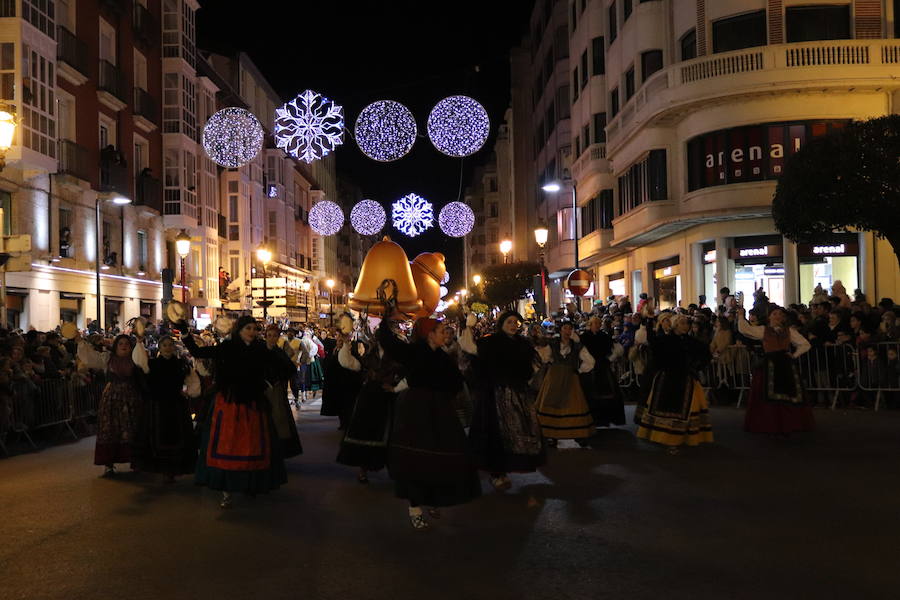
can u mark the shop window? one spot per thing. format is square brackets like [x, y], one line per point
[810, 23]
[688, 44]
[743, 31]
[651, 62]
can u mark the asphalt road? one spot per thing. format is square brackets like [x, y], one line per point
[817, 516]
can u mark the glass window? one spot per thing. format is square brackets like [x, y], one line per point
[810, 23]
[575, 86]
[586, 136]
[584, 68]
[599, 56]
[629, 83]
[742, 31]
[651, 62]
[562, 102]
[599, 128]
[689, 45]
[613, 25]
[626, 9]
[614, 102]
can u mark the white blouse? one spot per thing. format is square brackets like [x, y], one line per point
[758, 332]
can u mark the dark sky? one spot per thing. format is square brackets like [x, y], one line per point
[355, 52]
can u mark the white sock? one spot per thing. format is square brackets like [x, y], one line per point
[415, 511]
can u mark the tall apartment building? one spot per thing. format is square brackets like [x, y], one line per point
[85, 80]
[703, 102]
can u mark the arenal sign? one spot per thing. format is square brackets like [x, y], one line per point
[751, 153]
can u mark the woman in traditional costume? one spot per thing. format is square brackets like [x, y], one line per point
[281, 370]
[167, 432]
[341, 385]
[505, 435]
[676, 412]
[428, 455]
[562, 408]
[239, 449]
[368, 431]
[121, 402]
[603, 394]
[776, 404]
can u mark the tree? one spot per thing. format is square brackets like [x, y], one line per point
[505, 283]
[849, 178]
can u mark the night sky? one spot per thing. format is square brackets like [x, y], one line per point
[357, 52]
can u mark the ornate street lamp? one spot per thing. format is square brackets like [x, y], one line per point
[183, 247]
[330, 284]
[264, 255]
[505, 247]
[540, 236]
[7, 131]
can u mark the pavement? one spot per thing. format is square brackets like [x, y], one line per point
[814, 516]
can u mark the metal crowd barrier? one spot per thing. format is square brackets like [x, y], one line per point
[829, 369]
[731, 369]
[880, 374]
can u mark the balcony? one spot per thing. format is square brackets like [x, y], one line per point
[73, 160]
[113, 172]
[146, 28]
[110, 86]
[149, 192]
[837, 64]
[145, 110]
[592, 160]
[72, 57]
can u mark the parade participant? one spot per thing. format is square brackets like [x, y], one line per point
[675, 412]
[280, 371]
[239, 452]
[341, 384]
[776, 404]
[293, 347]
[121, 401]
[600, 386]
[166, 438]
[505, 435]
[427, 456]
[368, 430]
[563, 410]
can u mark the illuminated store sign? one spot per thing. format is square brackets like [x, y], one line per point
[764, 251]
[709, 257]
[752, 153]
[839, 249]
[744, 252]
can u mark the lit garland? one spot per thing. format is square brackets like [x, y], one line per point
[458, 126]
[385, 131]
[309, 126]
[446, 278]
[367, 217]
[326, 217]
[412, 214]
[232, 137]
[456, 219]
[444, 291]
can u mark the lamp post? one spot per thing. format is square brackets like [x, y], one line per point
[330, 284]
[264, 255]
[117, 200]
[305, 285]
[476, 279]
[555, 186]
[505, 247]
[183, 247]
[7, 133]
[540, 236]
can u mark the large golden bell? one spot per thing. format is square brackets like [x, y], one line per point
[386, 260]
[428, 269]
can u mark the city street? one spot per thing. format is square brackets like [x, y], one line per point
[749, 517]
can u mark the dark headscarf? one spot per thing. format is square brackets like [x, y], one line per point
[240, 324]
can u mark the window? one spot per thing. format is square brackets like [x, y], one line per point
[561, 44]
[626, 9]
[65, 14]
[614, 102]
[6, 208]
[493, 210]
[584, 68]
[40, 14]
[562, 102]
[140, 71]
[141, 155]
[65, 233]
[7, 71]
[574, 18]
[273, 225]
[811, 23]
[742, 31]
[586, 136]
[613, 29]
[651, 62]
[551, 116]
[629, 83]
[577, 146]
[65, 116]
[39, 100]
[575, 86]
[142, 249]
[644, 181]
[565, 229]
[599, 128]
[599, 56]
[107, 48]
[689, 45]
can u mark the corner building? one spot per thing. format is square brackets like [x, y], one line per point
[703, 102]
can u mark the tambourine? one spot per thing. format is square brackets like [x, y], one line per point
[345, 324]
[138, 326]
[223, 325]
[176, 311]
[69, 330]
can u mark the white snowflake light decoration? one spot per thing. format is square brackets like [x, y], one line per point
[456, 219]
[326, 217]
[385, 131]
[412, 214]
[458, 126]
[309, 126]
[367, 217]
[232, 137]
[446, 278]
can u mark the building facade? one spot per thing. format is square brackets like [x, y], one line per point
[702, 103]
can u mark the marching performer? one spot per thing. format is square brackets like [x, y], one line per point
[600, 385]
[281, 371]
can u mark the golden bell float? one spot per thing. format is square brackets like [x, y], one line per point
[428, 269]
[386, 260]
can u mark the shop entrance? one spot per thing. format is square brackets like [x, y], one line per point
[823, 264]
[758, 263]
[667, 283]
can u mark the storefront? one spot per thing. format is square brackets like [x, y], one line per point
[70, 307]
[759, 263]
[823, 264]
[710, 278]
[667, 282]
[615, 284]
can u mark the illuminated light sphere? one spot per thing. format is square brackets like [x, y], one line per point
[458, 126]
[232, 137]
[412, 214]
[309, 126]
[385, 131]
[444, 291]
[456, 219]
[446, 278]
[326, 217]
[367, 217]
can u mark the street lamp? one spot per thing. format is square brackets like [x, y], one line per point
[540, 236]
[264, 255]
[183, 247]
[476, 279]
[305, 285]
[330, 284]
[505, 247]
[555, 186]
[117, 200]
[7, 131]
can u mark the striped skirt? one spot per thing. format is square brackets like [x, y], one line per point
[563, 410]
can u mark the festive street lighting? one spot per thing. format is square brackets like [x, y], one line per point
[183, 247]
[7, 133]
[540, 236]
[118, 200]
[476, 279]
[233, 137]
[330, 284]
[264, 255]
[305, 285]
[505, 247]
